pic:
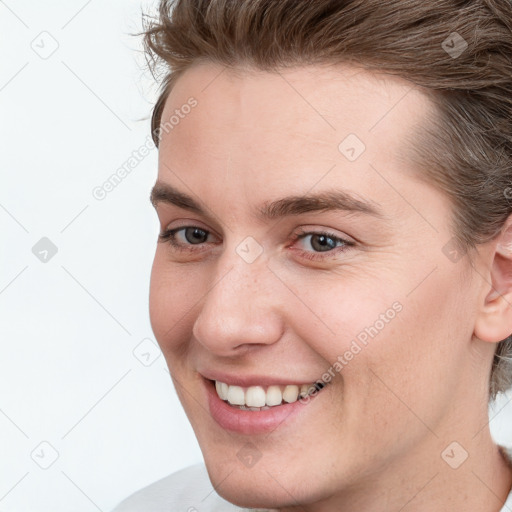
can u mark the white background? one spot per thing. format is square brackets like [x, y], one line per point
[68, 327]
[73, 373]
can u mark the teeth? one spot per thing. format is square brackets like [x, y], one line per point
[304, 390]
[256, 398]
[274, 395]
[291, 393]
[236, 395]
[222, 390]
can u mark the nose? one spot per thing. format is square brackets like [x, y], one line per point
[241, 309]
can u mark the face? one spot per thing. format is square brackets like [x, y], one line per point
[299, 246]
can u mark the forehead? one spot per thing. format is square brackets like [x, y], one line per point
[336, 97]
[288, 128]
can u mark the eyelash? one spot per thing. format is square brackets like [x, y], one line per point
[320, 255]
[169, 236]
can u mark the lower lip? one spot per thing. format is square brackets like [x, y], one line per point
[250, 422]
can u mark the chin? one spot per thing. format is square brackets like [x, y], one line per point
[272, 483]
[253, 488]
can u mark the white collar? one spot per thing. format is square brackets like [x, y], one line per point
[507, 452]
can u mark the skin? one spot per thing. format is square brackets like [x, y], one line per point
[373, 438]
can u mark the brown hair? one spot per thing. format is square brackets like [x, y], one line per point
[459, 51]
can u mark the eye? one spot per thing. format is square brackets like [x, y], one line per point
[185, 236]
[318, 245]
[192, 235]
[312, 245]
[321, 242]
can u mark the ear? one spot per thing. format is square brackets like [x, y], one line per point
[494, 320]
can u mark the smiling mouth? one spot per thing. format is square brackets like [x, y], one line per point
[261, 398]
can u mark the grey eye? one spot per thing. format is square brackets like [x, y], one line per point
[195, 235]
[322, 243]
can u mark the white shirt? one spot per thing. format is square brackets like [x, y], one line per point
[190, 490]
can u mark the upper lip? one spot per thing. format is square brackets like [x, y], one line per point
[246, 381]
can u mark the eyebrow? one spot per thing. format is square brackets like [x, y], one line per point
[286, 206]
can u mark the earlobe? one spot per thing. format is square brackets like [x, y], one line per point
[494, 321]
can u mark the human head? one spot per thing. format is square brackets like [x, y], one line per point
[460, 115]
[472, 132]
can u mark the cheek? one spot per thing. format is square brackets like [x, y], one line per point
[417, 363]
[342, 317]
[364, 332]
[172, 296]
